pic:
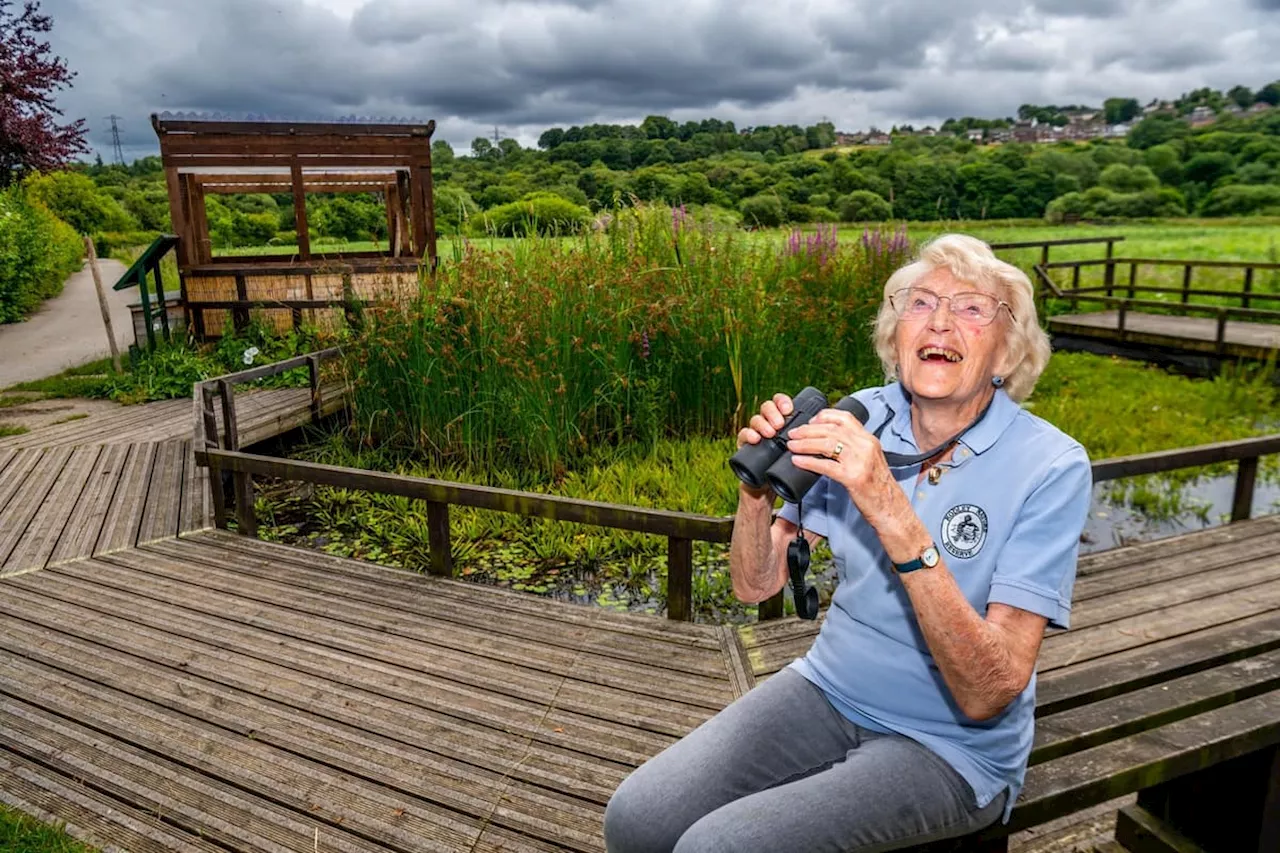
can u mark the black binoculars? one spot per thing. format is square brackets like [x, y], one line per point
[769, 463]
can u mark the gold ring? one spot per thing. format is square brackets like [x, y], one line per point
[835, 454]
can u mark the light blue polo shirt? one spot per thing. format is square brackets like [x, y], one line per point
[1006, 515]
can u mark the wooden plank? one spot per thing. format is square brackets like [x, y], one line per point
[25, 505]
[1086, 643]
[33, 550]
[164, 493]
[1105, 772]
[204, 807]
[83, 527]
[1225, 557]
[505, 611]
[14, 482]
[120, 527]
[1156, 662]
[517, 738]
[88, 815]
[1242, 339]
[366, 761]
[287, 794]
[1157, 595]
[1157, 705]
[1161, 550]
[740, 675]
[657, 697]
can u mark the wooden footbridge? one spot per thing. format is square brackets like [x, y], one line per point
[168, 685]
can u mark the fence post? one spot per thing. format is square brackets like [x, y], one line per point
[1124, 309]
[1186, 283]
[1221, 338]
[240, 314]
[1133, 277]
[243, 480]
[438, 539]
[1075, 285]
[1242, 501]
[216, 491]
[679, 579]
[1248, 287]
[1109, 276]
[313, 368]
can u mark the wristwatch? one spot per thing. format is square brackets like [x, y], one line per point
[928, 559]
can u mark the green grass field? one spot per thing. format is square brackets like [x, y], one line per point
[20, 833]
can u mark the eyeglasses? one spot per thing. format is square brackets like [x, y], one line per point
[977, 309]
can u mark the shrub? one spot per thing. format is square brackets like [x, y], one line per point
[864, 206]
[37, 252]
[762, 211]
[77, 201]
[1241, 200]
[537, 213]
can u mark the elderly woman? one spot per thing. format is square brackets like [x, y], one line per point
[910, 719]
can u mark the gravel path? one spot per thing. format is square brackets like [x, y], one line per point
[67, 331]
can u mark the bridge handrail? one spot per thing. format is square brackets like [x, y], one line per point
[681, 529]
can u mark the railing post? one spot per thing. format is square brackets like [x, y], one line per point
[1221, 337]
[240, 315]
[1075, 285]
[1186, 283]
[679, 579]
[1044, 254]
[1133, 278]
[1248, 287]
[216, 491]
[245, 516]
[313, 368]
[1109, 275]
[771, 608]
[441, 564]
[1124, 308]
[1242, 500]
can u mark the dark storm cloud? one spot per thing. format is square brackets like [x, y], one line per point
[529, 64]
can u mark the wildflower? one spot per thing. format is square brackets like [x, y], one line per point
[249, 355]
[644, 344]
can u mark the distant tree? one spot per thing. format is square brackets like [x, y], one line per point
[509, 147]
[551, 138]
[481, 148]
[1210, 167]
[441, 153]
[659, 127]
[30, 138]
[1154, 130]
[1128, 179]
[77, 201]
[1119, 110]
[1270, 93]
[1242, 95]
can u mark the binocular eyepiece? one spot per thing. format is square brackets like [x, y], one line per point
[769, 463]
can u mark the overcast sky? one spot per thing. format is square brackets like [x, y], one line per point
[526, 65]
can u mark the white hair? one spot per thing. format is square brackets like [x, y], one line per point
[971, 261]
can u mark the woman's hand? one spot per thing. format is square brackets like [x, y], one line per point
[837, 445]
[773, 414]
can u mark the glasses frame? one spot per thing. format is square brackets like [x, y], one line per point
[999, 304]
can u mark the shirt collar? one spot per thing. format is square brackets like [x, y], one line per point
[998, 418]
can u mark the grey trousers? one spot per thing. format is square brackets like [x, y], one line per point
[782, 771]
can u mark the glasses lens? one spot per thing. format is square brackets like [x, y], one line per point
[916, 300]
[976, 307]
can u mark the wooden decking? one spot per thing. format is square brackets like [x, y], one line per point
[260, 415]
[1184, 334]
[215, 692]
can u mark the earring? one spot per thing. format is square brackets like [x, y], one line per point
[997, 381]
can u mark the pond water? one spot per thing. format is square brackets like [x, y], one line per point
[1110, 526]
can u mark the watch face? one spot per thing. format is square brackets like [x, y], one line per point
[930, 557]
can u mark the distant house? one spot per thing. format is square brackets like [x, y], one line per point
[1118, 131]
[1157, 106]
[1002, 134]
[843, 139]
[878, 138]
[1080, 116]
[1201, 116]
[974, 135]
[928, 131]
[1259, 107]
[1233, 109]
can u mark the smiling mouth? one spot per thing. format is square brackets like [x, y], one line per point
[940, 354]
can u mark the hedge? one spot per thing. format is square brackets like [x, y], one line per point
[37, 253]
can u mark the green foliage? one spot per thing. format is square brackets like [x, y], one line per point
[21, 833]
[1242, 200]
[1155, 130]
[350, 218]
[37, 253]
[762, 211]
[1128, 179]
[536, 213]
[864, 206]
[76, 200]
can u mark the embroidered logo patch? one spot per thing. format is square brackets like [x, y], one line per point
[964, 530]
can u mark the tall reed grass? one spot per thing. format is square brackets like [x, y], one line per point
[652, 325]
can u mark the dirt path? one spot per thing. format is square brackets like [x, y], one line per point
[67, 330]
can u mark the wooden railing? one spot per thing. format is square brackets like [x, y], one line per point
[242, 271]
[222, 453]
[1045, 245]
